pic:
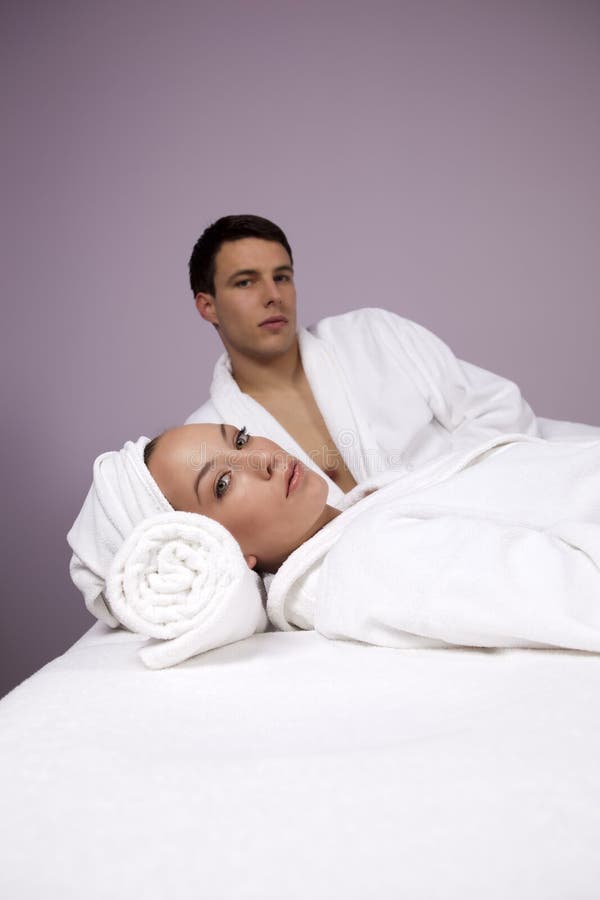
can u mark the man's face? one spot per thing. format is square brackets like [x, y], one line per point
[265, 498]
[254, 303]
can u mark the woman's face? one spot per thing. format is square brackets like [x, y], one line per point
[269, 501]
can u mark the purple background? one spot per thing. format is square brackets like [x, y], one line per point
[438, 159]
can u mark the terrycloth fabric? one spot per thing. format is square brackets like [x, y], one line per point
[123, 493]
[181, 578]
[499, 548]
[178, 577]
[393, 396]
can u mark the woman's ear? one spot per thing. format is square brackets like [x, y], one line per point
[205, 304]
[251, 561]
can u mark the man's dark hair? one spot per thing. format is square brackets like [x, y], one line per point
[228, 228]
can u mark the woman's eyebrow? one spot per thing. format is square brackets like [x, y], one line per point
[201, 475]
[207, 465]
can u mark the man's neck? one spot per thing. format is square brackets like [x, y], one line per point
[260, 377]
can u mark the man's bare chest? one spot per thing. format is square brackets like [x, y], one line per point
[299, 414]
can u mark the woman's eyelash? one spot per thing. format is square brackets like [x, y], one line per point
[241, 438]
[225, 481]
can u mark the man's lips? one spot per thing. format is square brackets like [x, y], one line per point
[273, 322]
[293, 476]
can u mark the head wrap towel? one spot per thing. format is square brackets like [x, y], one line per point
[123, 494]
[175, 576]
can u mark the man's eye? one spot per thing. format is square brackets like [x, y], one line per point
[241, 438]
[282, 278]
[222, 485]
[243, 282]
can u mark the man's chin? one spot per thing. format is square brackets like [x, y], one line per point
[273, 346]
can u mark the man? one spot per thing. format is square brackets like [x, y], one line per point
[351, 396]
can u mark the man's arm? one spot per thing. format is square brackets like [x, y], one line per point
[413, 390]
[468, 400]
[555, 430]
[464, 398]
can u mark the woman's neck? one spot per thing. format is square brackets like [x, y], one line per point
[327, 516]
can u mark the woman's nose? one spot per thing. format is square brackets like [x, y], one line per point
[259, 463]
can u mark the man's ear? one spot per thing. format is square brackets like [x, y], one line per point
[251, 561]
[205, 304]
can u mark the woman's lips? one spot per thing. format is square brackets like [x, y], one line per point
[294, 477]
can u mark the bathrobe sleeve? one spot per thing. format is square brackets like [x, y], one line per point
[469, 402]
[480, 400]
[460, 580]
[464, 398]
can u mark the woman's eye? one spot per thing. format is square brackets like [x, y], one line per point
[222, 485]
[241, 438]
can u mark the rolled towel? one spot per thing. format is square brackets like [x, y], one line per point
[111, 541]
[182, 578]
[123, 494]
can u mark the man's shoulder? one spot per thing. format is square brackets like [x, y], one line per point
[205, 413]
[208, 411]
[357, 322]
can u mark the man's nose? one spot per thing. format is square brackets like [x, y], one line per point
[272, 292]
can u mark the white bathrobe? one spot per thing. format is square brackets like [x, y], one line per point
[392, 395]
[498, 547]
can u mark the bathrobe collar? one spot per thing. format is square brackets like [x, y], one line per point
[351, 435]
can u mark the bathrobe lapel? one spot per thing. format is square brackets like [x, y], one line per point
[349, 431]
[238, 408]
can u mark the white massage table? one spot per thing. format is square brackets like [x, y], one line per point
[288, 766]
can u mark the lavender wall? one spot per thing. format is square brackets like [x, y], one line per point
[438, 159]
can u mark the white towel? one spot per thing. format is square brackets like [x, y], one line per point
[182, 578]
[123, 493]
[178, 577]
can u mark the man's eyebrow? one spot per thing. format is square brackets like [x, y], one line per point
[284, 268]
[207, 465]
[242, 272]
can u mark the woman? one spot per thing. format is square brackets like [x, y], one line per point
[499, 546]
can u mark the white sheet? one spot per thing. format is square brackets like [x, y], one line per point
[289, 766]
